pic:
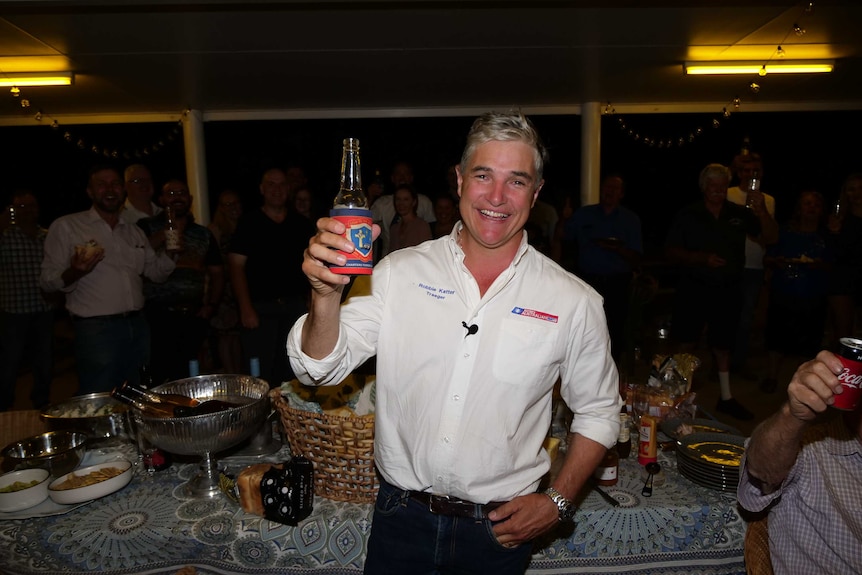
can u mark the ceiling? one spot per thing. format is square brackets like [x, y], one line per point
[139, 60]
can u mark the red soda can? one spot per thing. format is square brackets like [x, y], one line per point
[850, 353]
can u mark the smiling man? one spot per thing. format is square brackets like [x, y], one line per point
[471, 332]
[98, 260]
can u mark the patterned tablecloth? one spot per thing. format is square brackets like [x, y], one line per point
[152, 527]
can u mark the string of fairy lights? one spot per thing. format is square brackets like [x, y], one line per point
[77, 138]
[691, 135]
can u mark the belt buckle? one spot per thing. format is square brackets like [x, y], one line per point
[438, 504]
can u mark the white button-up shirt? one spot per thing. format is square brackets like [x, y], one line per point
[115, 284]
[465, 414]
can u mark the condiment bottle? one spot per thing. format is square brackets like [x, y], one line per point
[173, 236]
[648, 447]
[350, 207]
[607, 471]
[624, 441]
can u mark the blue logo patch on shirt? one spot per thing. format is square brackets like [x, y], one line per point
[536, 314]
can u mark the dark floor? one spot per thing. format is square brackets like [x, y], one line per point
[704, 381]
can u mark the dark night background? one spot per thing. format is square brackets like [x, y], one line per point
[801, 150]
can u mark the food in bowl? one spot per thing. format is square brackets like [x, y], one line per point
[91, 482]
[74, 480]
[57, 451]
[22, 489]
[98, 415]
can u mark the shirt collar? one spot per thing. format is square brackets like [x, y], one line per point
[454, 240]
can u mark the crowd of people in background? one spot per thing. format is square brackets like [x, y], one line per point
[229, 295]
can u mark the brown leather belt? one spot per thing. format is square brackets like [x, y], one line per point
[444, 505]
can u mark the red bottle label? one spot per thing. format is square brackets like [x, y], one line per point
[358, 224]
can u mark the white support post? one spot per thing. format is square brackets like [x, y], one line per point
[196, 165]
[591, 140]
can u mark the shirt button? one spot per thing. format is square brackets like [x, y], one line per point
[466, 355]
[445, 440]
[456, 397]
[439, 478]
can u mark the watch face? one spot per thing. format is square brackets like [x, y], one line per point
[567, 514]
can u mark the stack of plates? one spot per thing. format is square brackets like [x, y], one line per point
[671, 427]
[711, 459]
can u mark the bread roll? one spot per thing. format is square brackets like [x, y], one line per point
[248, 483]
[88, 250]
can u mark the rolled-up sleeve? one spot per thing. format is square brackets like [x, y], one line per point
[58, 255]
[590, 381]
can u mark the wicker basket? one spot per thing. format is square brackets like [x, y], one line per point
[340, 447]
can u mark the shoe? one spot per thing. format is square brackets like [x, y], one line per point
[734, 409]
[768, 385]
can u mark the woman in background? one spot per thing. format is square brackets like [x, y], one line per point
[409, 229]
[799, 265]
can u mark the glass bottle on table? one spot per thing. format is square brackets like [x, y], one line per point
[607, 472]
[350, 207]
[624, 441]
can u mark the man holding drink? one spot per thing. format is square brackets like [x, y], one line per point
[805, 461]
[471, 332]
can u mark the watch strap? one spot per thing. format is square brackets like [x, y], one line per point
[565, 507]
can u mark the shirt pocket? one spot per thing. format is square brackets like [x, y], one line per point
[525, 351]
[134, 257]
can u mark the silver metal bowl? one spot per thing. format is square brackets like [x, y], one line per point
[57, 451]
[211, 432]
[208, 434]
[98, 415]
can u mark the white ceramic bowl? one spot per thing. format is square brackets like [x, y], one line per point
[24, 498]
[94, 491]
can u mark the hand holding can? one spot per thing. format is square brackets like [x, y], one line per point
[850, 354]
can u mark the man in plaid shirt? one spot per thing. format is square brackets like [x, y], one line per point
[26, 316]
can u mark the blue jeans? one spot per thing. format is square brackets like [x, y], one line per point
[30, 334]
[407, 538]
[109, 351]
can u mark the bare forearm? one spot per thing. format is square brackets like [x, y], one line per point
[769, 229]
[773, 448]
[582, 457]
[321, 328]
[683, 256]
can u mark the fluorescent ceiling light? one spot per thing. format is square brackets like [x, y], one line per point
[36, 79]
[778, 67]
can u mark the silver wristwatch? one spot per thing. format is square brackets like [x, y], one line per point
[565, 506]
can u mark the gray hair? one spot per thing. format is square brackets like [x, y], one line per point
[506, 127]
[712, 172]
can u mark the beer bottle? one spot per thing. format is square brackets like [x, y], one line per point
[350, 207]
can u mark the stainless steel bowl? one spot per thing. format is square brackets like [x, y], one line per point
[98, 415]
[57, 451]
[208, 434]
[212, 432]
